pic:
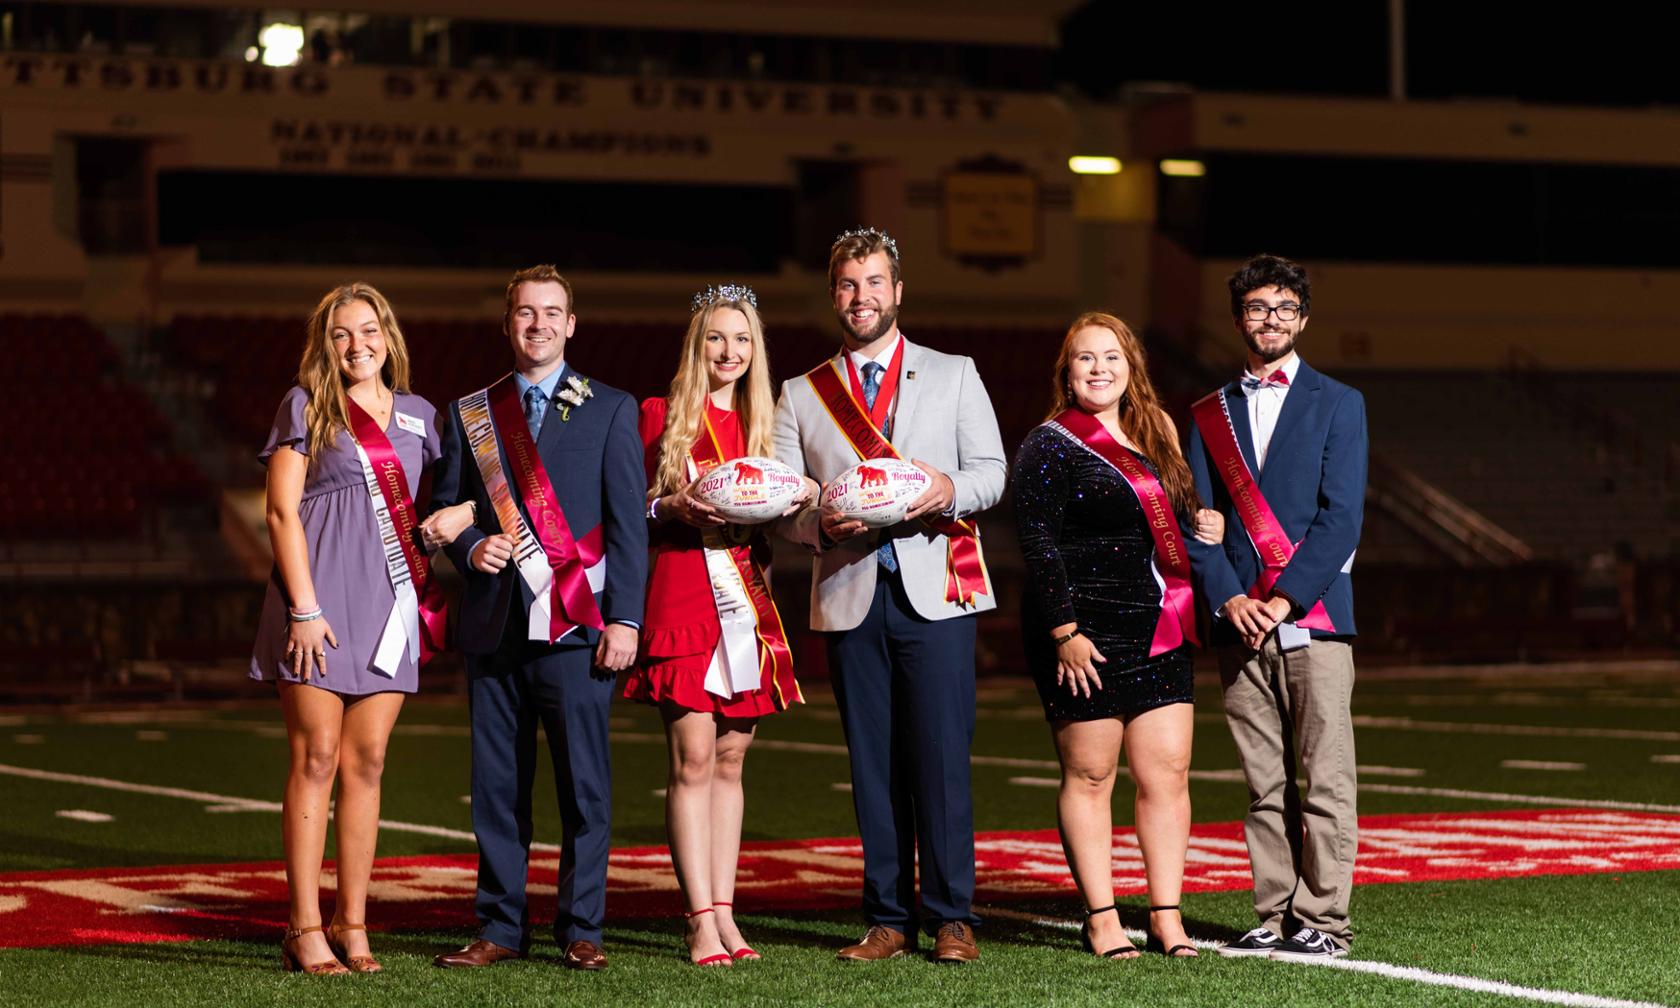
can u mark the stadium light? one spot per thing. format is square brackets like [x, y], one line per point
[281, 44]
[1089, 164]
[1182, 168]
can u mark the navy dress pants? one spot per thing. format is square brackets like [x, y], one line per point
[522, 685]
[905, 688]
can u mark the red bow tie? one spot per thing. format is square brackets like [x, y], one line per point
[1276, 378]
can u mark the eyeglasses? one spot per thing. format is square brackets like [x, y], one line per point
[1256, 312]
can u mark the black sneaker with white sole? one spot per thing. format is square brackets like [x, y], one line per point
[1259, 942]
[1308, 945]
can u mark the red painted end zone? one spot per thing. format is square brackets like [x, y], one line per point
[181, 903]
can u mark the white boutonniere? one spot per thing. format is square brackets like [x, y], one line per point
[575, 393]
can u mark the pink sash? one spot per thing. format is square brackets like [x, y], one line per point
[1177, 622]
[572, 600]
[1262, 526]
[393, 487]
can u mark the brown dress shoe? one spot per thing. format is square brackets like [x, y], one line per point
[479, 953]
[585, 955]
[879, 942]
[955, 944]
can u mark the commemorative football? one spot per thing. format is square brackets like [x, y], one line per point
[877, 492]
[748, 491]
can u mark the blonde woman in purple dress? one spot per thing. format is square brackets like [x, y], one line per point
[326, 634]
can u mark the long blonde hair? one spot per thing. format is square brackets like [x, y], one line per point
[1141, 416]
[685, 404]
[328, 413]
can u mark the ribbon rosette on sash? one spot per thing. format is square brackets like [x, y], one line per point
[562, 573]
[753, 639]
[1171, 562]
[418, 620]
[965, 566]
[1212, 417]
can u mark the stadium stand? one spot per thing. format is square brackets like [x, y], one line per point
[94, 453]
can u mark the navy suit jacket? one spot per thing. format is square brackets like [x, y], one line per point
[1314, 481]
[594, 461]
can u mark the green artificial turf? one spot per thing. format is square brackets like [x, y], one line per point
[1612, 936]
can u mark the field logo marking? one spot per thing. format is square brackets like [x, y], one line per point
[435, 892]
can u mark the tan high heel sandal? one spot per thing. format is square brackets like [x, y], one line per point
[289, 955]
[357, 964]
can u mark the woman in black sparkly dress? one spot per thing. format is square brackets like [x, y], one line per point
[1107, 618]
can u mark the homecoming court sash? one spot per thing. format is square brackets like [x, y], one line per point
[1212, 416]
[1171, 562]
[562, 573]
[419, 604]
[754, 640]
[965, 567]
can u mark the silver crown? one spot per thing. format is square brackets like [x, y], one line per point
[722, 292]
[873, 234]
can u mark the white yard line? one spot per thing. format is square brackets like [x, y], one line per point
[1531, 764]
[84, 815]
[1481, 986]
[1389, 970]
[228, 803]
[1519, 799]
[1533, 731]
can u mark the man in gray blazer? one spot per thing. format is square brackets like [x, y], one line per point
[898, 604]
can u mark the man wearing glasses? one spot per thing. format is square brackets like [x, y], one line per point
[1281, 451]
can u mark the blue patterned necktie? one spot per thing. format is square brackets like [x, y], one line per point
[534, 405]
[872, 388]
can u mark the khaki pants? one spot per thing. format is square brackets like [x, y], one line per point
[1290, 714]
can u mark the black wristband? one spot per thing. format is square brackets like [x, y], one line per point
[1070, 635]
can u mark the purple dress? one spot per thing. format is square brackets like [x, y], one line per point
[345, 558]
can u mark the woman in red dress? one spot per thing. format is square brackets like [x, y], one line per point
[719, 408]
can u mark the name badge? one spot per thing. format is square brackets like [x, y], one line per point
[414, 425]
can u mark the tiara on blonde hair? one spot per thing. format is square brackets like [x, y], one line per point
[713, 294]
[873, 234]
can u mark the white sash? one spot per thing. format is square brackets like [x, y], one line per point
[528, 555]
[735, 665]
[402, 625]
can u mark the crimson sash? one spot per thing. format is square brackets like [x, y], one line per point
[965, 567]
[884, 394]
[775, 657]
[572, 600]
[1177, 622]
[1264, 530]
[393, 486]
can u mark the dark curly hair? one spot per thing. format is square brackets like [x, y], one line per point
[1270, 271]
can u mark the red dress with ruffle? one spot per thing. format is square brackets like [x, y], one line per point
[680, 628]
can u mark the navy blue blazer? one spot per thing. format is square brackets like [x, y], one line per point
[1314, 481]
[594, 461]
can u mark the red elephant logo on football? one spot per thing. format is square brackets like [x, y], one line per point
[748, 474]
[869, 476]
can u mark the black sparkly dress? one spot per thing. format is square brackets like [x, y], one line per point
[1087, 554]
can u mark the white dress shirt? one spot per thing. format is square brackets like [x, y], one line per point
[1266, 403]
[884, 358]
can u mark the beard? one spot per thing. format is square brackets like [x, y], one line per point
[886, 316]
[1275, 353]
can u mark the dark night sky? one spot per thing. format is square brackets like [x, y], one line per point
[1619, 54]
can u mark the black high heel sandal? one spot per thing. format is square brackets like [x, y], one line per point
[1153, 942]
[1126, 951]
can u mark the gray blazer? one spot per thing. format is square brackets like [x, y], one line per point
[944, 418]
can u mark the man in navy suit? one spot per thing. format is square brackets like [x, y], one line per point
[1282, 452]
[555, 566]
